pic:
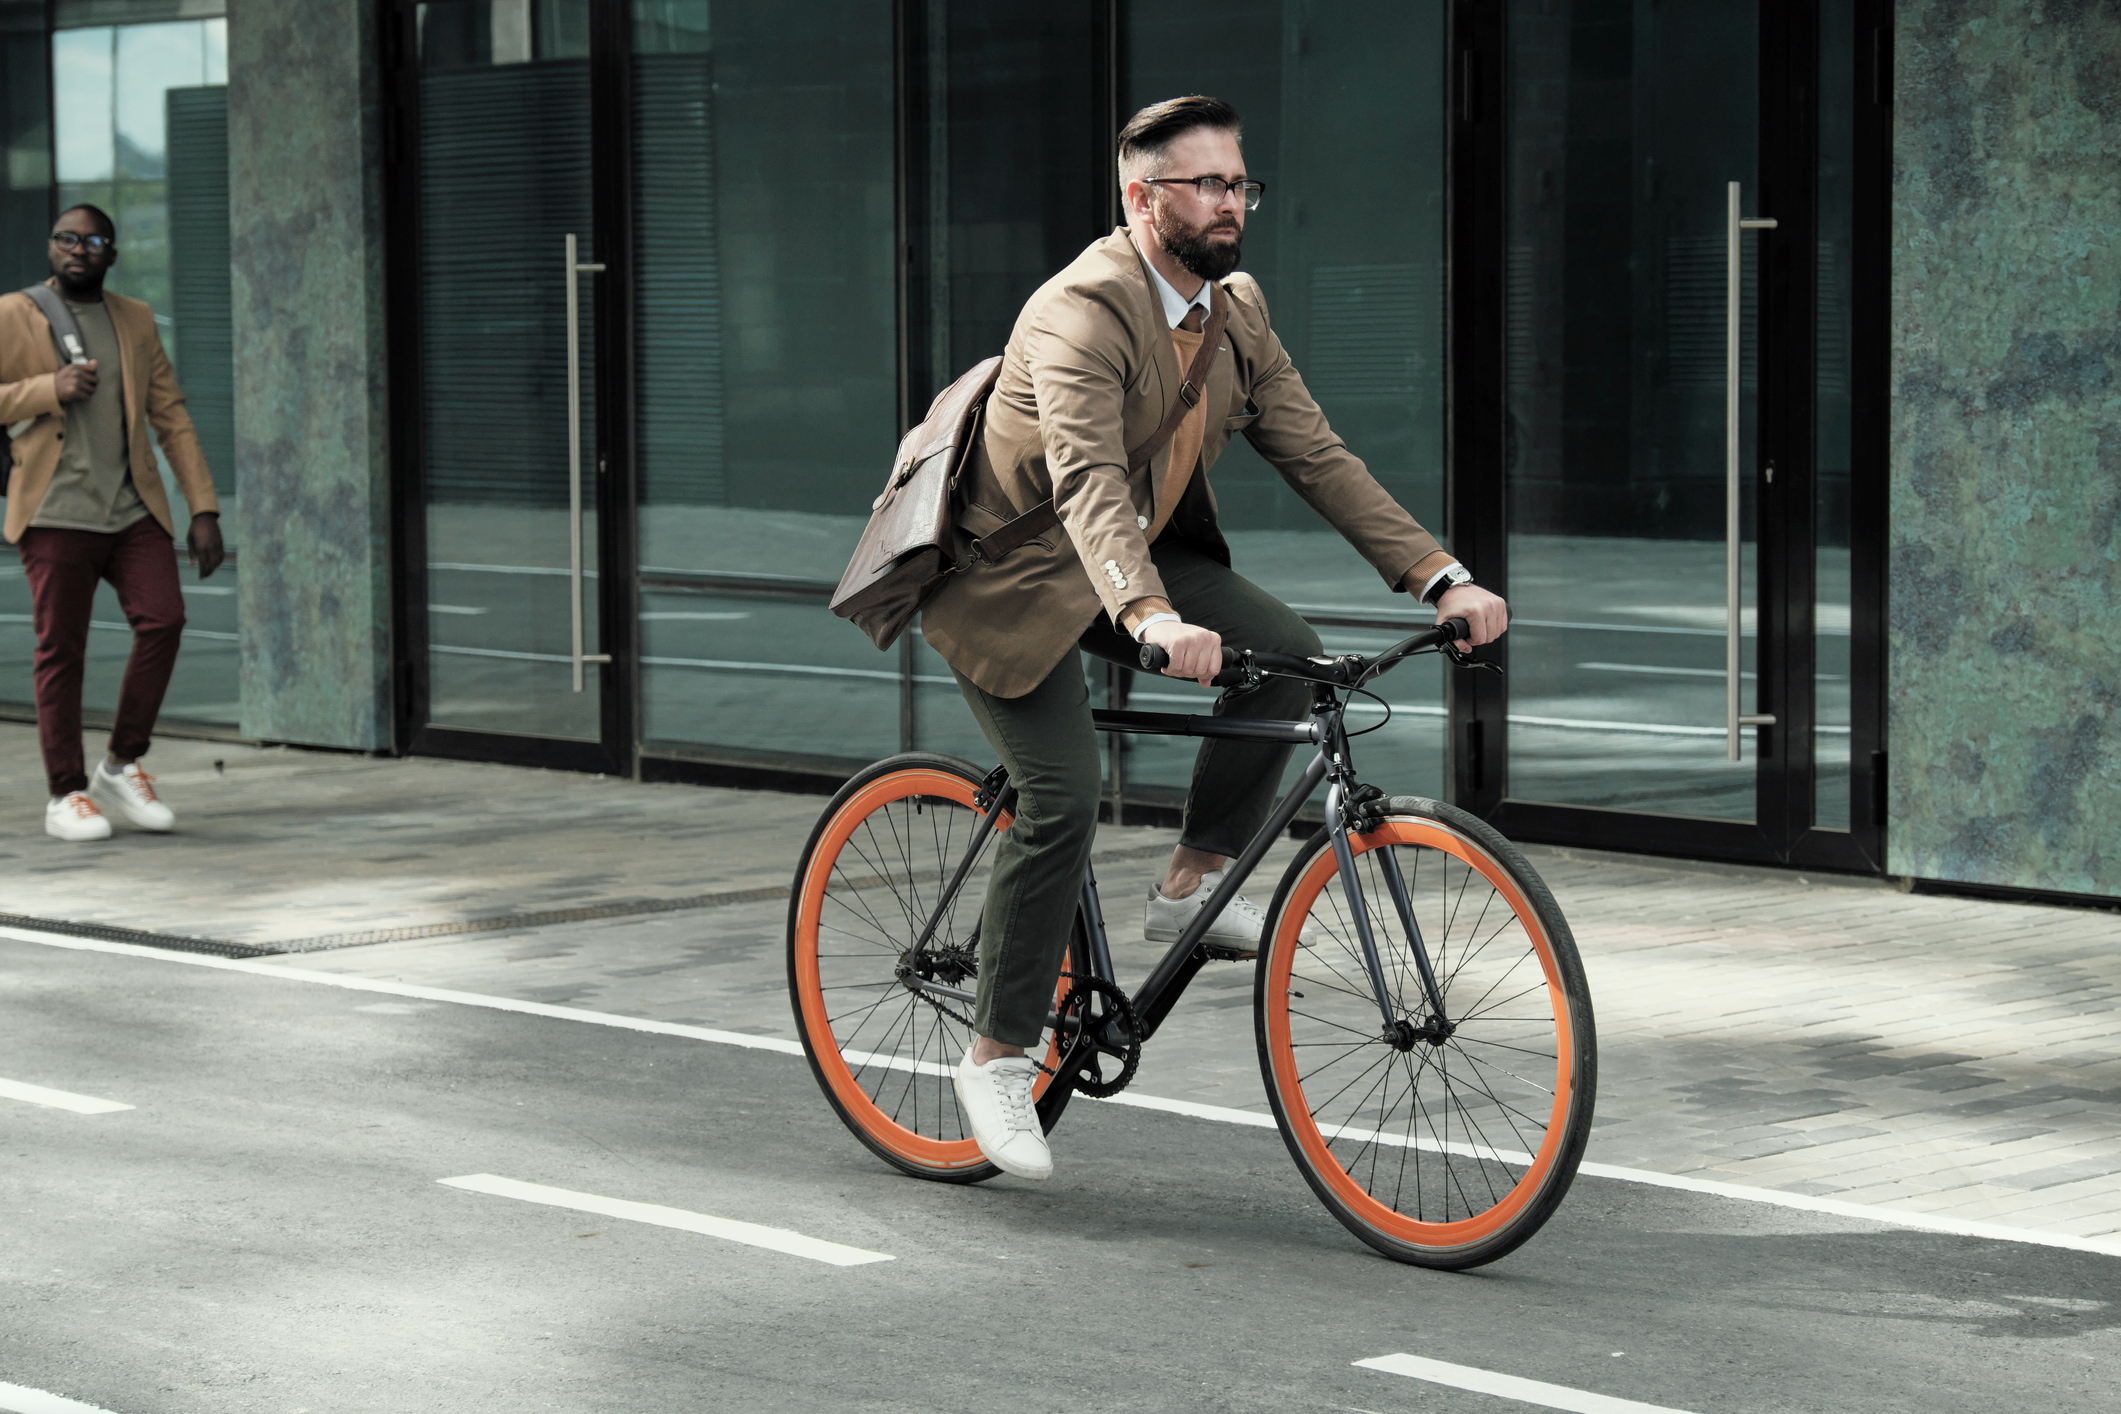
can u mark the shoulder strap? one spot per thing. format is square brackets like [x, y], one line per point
[1189, 392]
[66, 330]
[1044, 516]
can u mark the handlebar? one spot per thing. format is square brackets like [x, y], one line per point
[1239, 664]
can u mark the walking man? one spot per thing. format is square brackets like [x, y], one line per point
[85, 503]
[1099, 356]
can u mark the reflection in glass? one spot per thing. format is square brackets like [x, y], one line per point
[1831, 609]
[765, 361]
[82, 65]
[1626, 125]
[504, 178]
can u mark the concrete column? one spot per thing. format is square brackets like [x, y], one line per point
[2005, 662]
[312, 425]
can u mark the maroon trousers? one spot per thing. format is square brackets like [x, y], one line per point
[62, 567]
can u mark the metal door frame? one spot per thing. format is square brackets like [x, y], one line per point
[611, 182]
[1476, 503]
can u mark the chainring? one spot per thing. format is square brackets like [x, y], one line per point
[1095, 1005]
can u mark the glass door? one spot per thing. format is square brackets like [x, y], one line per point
[500, 235]
[1676, 423]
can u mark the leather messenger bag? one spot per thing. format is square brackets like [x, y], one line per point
[905, 551]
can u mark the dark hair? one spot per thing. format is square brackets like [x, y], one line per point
[1149, 132]
[110, 227]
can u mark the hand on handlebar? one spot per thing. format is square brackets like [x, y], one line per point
[1486, 615]
[1196, 652]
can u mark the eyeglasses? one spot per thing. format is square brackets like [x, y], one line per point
[73, 240]
[1213, 189]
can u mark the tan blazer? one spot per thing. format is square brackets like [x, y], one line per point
[29, 364]
[1088, 375]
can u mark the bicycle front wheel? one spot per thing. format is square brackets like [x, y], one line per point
[883, 1052]
[1441, 1145]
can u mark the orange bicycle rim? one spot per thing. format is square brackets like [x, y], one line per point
[1303, 1125]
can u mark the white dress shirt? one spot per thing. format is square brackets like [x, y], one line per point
[1176, 304]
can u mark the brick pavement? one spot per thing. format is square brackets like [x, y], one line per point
[1818, 1035]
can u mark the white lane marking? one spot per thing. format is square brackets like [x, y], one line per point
[774, 1239]
[409, 989]
[58, 1099]
[1895, 1217]
[1577, 1401]
[22, 1400]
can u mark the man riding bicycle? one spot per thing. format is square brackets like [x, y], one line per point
[1098, 358]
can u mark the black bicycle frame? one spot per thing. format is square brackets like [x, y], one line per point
[1167, 981]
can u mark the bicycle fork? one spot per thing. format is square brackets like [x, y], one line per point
[1400, 1031]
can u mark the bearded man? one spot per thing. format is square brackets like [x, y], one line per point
[1097, 361]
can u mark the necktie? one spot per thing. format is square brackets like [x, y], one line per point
[1191, 323]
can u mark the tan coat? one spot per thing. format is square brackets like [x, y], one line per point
[29, 364]
[1088, 375]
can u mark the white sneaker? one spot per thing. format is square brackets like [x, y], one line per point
[1236, 932]
[130, 792]
[74, 816]
[996, 1098]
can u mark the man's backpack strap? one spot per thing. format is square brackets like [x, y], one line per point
[66, 337]
[1042, 518]
[66, 330]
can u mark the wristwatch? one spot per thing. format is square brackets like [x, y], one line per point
[1449, 577]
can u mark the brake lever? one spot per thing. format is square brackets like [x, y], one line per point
[1466, 660]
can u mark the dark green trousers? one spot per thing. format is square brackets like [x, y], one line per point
[1045, 740]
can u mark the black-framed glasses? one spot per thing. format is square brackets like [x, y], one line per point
[1213, 189]
[74, 240]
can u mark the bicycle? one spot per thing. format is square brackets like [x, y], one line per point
[1424, 1028]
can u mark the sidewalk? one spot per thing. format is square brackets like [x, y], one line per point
[1818, 1035]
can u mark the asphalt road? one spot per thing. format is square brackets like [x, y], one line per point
[264, 1231]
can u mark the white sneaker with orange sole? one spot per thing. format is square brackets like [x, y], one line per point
[74, 816]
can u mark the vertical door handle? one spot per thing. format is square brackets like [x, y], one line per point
[575, 268]
[1733, 358]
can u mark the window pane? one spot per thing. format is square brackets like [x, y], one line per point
[504, 157]
[1626, 128]
[766, 358]
[25, 111]
[151, 60]
[1344, 107]
[1831, 609]
[82, 60]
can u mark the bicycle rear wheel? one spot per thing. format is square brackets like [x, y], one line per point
[884, 1054]
[1440, 1148]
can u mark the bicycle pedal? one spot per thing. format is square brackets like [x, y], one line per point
[1229, 952]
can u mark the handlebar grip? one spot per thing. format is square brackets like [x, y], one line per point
[1155, 659]
[1460, 630]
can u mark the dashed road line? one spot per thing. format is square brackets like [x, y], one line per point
[1469, 1377]
[773, 1239]
[1773, 1197]
[18, 1399]
[58, 1100]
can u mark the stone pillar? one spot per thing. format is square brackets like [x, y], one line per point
[312, 425]
[2005, 656]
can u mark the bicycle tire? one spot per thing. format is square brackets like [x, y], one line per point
[1428, 1167]
[885, 1065]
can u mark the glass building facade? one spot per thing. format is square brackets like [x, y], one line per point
[666, 280]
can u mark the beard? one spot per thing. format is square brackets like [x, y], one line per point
[1191, 248]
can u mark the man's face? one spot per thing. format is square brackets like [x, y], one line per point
[81, 267]
[1207, 238]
